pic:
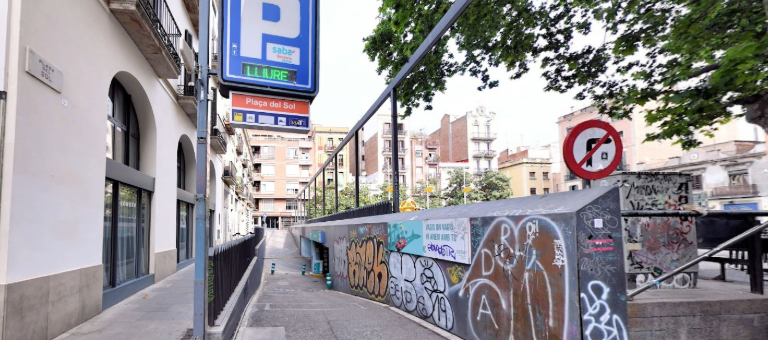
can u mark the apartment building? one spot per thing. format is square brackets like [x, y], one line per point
[89, 215]
[283, 164]
[377, 158]
[637, 154]
[529, 171]
[326, 141]
[424, 156]
[468, 139]
[726, 176]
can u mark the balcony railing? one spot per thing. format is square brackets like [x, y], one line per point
[151, 26]
[483, 136]
[291, 191]
[230, 173]
[433, 145]
[388, 133]
[228, 126]
[264, 156]
[570, 177]
[435, 175]
[484, 153]
[329, 148]
[432, 160]
[747, 190]
[239, 148]
[218, 142]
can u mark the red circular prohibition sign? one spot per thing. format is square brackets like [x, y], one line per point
[575, 165]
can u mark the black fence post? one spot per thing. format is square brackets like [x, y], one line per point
[357, 171]
[323, 170]
[395, 153]
[314, 208]
[336, 181]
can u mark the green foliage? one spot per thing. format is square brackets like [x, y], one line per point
[492, 186]
[695, 64]
[457, 180]
[420, 197]
[385, 196]
[346, 199]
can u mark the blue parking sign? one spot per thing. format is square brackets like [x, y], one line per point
[270, 47]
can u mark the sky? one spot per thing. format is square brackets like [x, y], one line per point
[526, 115]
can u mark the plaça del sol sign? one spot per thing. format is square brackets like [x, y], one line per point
[269, 113]
[269, 47]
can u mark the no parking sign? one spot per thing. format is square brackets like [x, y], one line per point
[593, 149]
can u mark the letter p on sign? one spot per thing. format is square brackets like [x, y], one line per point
[255, 24]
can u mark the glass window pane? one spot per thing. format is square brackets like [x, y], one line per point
[134, 128]
[127, 229]
[119, 105]
[119, 145]
[133, 152]
[110, 136]
[106, 255]
[144, 233]
[182, 232]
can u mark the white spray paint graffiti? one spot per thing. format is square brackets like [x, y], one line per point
[599, 322]
[418, 285]
[341, 265]
[559, 254]
[679, 281]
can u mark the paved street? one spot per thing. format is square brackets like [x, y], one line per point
[292, 306]
[162, 311]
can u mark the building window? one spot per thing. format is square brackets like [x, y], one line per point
[292, 153]
[532, 175]
[546, 191]
[184, 215]
[533, 191]
[568, 130]
[291, 205]
[419, 170]
[292, 170]
[488, 146]
[573, 188]
[126, 233]
[477, 146]
[697, 183]
[268, 170]
[181, 169]
[489, 164]
[402, 179]
[738, 178]
[341, 160]
[122, 127]
[545, 175]
[329, 142]
[292, 188]
[267, 204]
[267, 188]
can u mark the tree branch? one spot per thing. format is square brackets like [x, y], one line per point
[705, 69]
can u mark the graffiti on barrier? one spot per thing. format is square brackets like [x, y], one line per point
[455, 273]
[341, 267]
[599, 322]
[418, 285]
[679, 281]
[367, 266]
[514, 285]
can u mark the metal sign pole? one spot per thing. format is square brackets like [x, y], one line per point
[395, 154]
[201, 250]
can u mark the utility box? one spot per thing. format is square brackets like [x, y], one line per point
[656, 245]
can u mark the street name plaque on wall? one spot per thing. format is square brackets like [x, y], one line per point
[44, 71]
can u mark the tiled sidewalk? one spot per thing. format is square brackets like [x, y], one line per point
[162, 311]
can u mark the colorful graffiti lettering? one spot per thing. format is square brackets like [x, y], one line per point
[367, 266]
[455, 273]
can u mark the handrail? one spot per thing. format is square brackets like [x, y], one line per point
[426, 46]
[715, 250]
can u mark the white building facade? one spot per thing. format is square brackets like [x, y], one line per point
[98, 158]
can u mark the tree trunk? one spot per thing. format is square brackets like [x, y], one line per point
[757, 113]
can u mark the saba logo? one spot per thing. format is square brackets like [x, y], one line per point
[283, 50]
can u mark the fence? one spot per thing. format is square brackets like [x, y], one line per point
[226, 265]
[375, 209]
[165, 25]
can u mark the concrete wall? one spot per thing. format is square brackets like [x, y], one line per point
[521, 275]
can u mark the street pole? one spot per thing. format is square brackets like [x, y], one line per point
[464, 174]
[395, 153]
[427, 200]
[201, 250]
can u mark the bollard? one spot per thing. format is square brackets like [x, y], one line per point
[273, 268]
[328, 280]
[303, 269]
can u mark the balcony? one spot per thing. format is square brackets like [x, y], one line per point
[571, 177]
[154, 31]
[218, 142]
[402, 168]
[433, 176]
[305, 161]
[193, 8]
[228, 126]
[264, 156]
[432, 160]
[433, 145]
[481, 172]
[748, 190]
[386, 151]
[290, 191]
[244, 161]
[239, 148]
[483, 136]
[186, 96]
[229, 174]
[386, 168]
[388, 133]
[305, 144]
[484, 153]
[329, 148]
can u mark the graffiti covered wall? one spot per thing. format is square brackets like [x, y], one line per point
[522, 281]
[657, 245]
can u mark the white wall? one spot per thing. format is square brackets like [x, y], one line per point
[53, 191]
[3, 41]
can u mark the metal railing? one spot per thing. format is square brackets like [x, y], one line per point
[186, 86]
[165, 25]
[227, 263]
[735, 190]
[756, 277]
[381, 208]
[388, 94]
[483, 135]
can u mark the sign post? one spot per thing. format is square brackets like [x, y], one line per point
[270, 47]
[593, 150]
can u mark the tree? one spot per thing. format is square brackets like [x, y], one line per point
[346, 199]
[420, 197]
[493, 186]
[385, 196]
[699, 63]
[458, 180]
